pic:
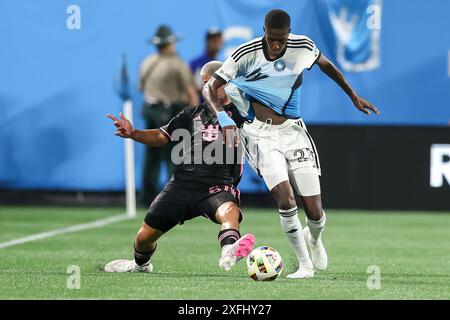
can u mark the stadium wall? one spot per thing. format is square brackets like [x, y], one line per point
[375, 168]
[384, 167]
[57, 84]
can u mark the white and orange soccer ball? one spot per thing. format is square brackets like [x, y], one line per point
[264, 264]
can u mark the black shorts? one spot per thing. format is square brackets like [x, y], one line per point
[179, 202]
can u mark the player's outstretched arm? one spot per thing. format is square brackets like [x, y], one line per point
[330, 70]
[124, 129]
[215, 104]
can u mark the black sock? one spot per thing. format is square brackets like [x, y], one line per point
[228, 236]
[143, 257]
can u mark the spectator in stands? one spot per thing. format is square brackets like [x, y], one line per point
[168, 86]
[214, 44]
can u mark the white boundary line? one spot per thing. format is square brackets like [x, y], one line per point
[74, 228]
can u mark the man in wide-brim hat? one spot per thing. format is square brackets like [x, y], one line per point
[164, 36]
[168, 86]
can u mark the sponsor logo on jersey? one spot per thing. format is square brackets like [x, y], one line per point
[279, 65]
[210, 132]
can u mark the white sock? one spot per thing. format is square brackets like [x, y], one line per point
[316, 227]
[225, 248]
[292, 227]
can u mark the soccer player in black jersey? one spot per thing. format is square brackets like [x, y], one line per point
[203, 184]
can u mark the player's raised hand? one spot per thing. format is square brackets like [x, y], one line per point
[365, 106]
[229, 136]
[123, 125]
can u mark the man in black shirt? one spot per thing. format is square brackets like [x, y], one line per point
[204, 182]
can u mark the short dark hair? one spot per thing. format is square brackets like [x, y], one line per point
[212, 33]
[277, 19]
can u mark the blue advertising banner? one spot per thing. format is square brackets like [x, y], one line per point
[60, 63]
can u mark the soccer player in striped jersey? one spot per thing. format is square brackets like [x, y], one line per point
[263, 79]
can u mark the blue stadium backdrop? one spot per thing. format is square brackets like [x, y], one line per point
[57, 84]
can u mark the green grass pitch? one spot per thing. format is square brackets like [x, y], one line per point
[412, 251]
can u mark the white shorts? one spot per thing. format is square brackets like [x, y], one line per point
[284, 152]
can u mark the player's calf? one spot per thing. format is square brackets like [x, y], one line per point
[313, 232]
[145, 244]
[315, 224]
[143, 258]
[234, 247]
[292, 227]
[144, 248]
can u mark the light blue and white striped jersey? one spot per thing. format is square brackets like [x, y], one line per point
[250, 73]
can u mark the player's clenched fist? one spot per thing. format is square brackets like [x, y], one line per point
[123, 125]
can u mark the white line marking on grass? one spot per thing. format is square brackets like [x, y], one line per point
[75, 228]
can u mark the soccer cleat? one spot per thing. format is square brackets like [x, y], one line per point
[123, 265]
[318, 254]
[232, 253]
[302, 273]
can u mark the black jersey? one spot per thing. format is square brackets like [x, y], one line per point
[199, 155]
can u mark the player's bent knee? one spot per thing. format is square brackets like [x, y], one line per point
[148, 234]
[284, 195]
[228, 212]
[313, 206]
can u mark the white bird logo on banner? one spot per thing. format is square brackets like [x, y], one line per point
[350, 30]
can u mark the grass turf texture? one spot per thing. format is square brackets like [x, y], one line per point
[411, 249]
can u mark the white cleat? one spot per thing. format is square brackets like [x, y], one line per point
[302, 273]
[232, 253]
[123, 265]
[318, 254]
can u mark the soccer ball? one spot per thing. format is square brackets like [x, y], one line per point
[264, 264]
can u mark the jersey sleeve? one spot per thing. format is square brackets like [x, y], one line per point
[228, 71]
[181, 121]
[236, 63]
[312, 54]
